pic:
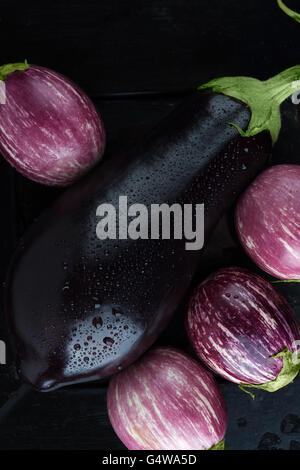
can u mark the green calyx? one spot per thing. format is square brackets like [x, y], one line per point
[293, 14]
[262, 97]
[289, 371]
[219, 446]
[7, 69]
[285, 280]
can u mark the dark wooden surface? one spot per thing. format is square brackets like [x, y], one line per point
[137, 60]
[112, 46]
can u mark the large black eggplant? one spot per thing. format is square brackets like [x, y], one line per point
[81, 308]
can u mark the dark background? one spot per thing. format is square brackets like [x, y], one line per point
[137, 60]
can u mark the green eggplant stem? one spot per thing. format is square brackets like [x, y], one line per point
[219, 446]
[291, 13]
[289, 371]
[263, 98]
[7, 69]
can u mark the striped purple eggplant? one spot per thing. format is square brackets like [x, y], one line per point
[167, 401]
[50, 131]
[244, 330]
[268, 221]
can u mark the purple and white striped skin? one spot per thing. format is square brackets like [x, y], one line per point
[235, 321]
[166, 401]
[50, 130]
[268, 221]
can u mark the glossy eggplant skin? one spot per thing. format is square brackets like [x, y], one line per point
[80, 308]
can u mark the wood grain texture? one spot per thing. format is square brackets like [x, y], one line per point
[157, 46]
[115, 45]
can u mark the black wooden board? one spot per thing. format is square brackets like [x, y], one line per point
[137, 60]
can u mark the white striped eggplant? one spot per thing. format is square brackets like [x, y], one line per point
[167, 401]
[268, 221]
[244, 330]
[50, 131]
[81, 308]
